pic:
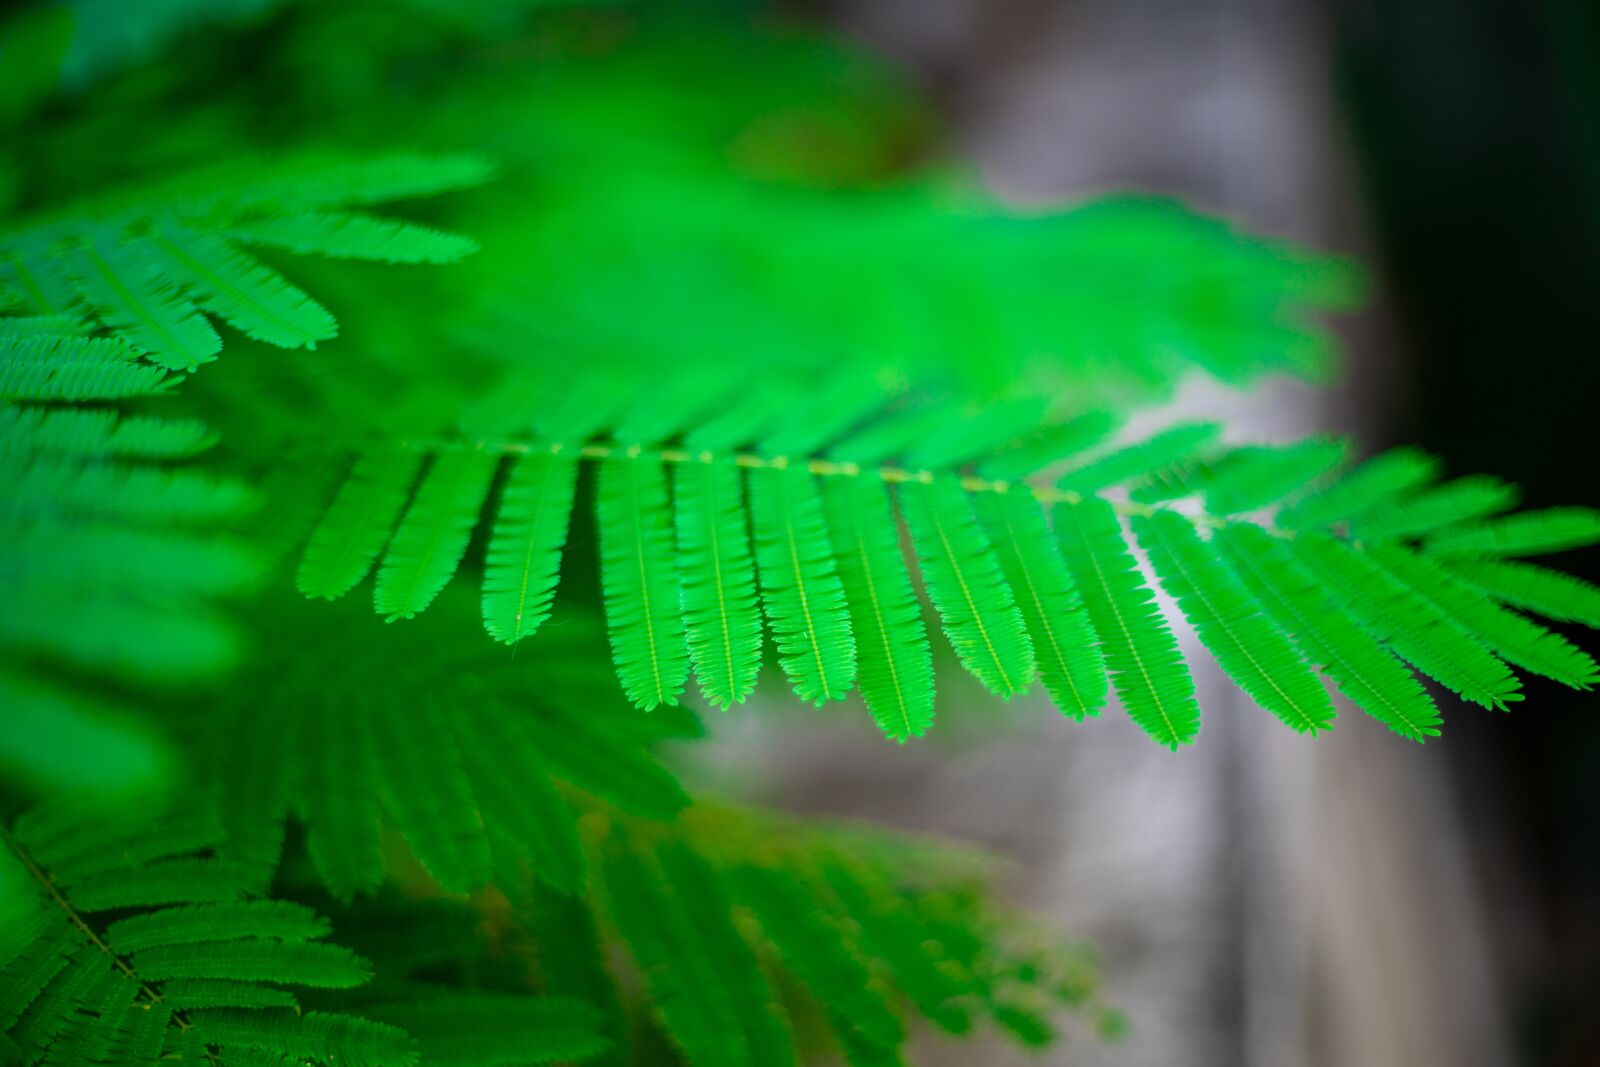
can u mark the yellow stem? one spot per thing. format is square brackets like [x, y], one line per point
[825, 468]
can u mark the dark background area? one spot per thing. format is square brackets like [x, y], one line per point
[1477, 130]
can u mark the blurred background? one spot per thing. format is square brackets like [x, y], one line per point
[1261, 899]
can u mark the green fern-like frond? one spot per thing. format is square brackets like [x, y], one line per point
[255, 188]
[704, 980]
[54, 485]
[93, 520]
[100, 432]
[885, 439]
[1070, 667]
[16, 327]
[1041, 448]
[349, 235]
[145, 945]
[524, 557]
[1530, 533]
[335, 792]
[823, 952]
[510, 776]
[1358, 491]
[68, 367]
[1537, 589]
[801, 592]
[114, 551]
[1246, 479]
[800, 426]
[718, 581]
[894, 667]
[1364, 670]
[1232, 481]
[36, 278]
[357, 526]
[716, 908]
[442, 828]
[1503, 632]
[253, 298]
[439, 708]
[1432, 508]
[432, 535]
[967, 587]
[1141, 652]
[731, 935]
[1126, 463]
[129, 294]
[249, 1037]
[1037, 575]
[1417, 630]
[972, 432]
[139, 260]
[482, 1029]
[641, 583]
[1258, 656]
[572, 962]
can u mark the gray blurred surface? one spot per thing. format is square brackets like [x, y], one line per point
[1261, 899]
